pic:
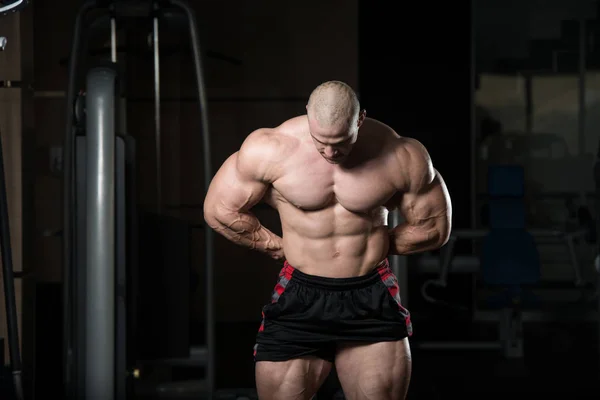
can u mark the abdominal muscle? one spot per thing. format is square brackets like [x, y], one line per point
[333, 242]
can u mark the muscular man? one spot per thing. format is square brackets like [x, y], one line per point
[333, 175]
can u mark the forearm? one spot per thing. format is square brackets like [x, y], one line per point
[410, 239]
[244, 229]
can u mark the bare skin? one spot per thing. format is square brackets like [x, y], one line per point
[333, 204]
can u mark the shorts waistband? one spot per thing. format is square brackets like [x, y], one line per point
[327, 283]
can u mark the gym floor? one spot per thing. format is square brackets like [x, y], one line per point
[561, 361]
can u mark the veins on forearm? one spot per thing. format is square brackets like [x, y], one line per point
[410, 238]
[246, 230]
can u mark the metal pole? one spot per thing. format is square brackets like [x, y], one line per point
[157, 137]
[473, 83]
[121, 345]
[68, 199]
[460, 345]
[209, 234]
[399, 263]
[113, 35]
[119, 238]
[582, 71]
[78, 280]
[598, 301]
[12, 321]
[100, 238]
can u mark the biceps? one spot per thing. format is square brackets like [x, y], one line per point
[231, 190]
[430, 205]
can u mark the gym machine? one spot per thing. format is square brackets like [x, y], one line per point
[596, 172]
[98, 209]
[6, 7]
[10, 6]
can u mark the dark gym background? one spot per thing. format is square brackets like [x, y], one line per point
[410, 62]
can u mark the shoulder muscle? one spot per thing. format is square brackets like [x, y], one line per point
[417, 169]
[260, 155]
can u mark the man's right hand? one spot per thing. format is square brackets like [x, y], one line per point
[278, 255]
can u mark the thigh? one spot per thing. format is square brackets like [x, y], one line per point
[297, 379]
[375, 371]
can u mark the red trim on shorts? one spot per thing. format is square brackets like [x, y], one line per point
[391, 282]
[285, 275]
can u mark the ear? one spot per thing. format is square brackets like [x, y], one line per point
[361, 118]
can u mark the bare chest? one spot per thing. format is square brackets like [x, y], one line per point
[317, 185]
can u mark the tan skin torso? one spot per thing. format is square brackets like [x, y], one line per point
[334, 220]
[334, 217]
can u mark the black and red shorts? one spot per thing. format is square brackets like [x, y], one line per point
[310, 315]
